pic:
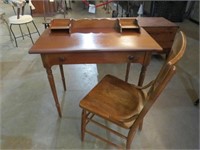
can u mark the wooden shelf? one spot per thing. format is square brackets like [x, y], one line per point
[129, 24]
[60, 24]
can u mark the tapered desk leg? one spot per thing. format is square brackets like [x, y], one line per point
[53, 89]
[130, 58]
[62, 76]
[127, 71]
[142, 75]
[147, 59]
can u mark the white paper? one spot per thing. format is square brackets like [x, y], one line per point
[92, 8]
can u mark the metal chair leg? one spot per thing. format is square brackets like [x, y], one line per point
[21, 31]
[29, 33]
[9, 31]
[36, 28]
[4, 21]
[22, 34]
[13, 35]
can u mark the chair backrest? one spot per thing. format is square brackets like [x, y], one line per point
[20, 6]
[178, 48]
[169, 67]
[164, 76]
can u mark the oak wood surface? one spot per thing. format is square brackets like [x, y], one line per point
[59, 42]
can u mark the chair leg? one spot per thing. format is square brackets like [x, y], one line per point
[141, 125]
[4, 20]
[70, 4]
[64, 9]
[29, 33]
[21, 31]
[83, 124]
[13, 35]
[66, 5]
[130, 137]
[36, 28]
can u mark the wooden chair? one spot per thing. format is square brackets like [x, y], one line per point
[126, 104]
[21, 19]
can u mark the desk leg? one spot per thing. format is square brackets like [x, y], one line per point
[130, 58]
[62, 76]
[140, 83]
[53, 89]
[147, 59]
[142, 75]
[127, 71]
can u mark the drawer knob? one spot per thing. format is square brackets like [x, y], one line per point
[61, 59]
[130, 57]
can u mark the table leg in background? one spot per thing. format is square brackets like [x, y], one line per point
[62, 76]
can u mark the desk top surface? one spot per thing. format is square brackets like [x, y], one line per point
[155, 22]
[94, 40]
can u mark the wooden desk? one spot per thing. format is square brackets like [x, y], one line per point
[93, 41]
[161, 29]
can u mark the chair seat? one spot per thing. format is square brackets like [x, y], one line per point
[21, 20]
[114, 100]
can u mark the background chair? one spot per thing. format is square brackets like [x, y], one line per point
[3, 20]
[126, 104]
[21, 19]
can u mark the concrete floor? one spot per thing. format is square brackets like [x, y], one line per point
[29, 118]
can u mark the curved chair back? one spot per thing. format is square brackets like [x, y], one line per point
[164, 76]
[178, 48]
[169, 67]
[20, 5]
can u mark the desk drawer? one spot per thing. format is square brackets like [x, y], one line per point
[93, 57]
